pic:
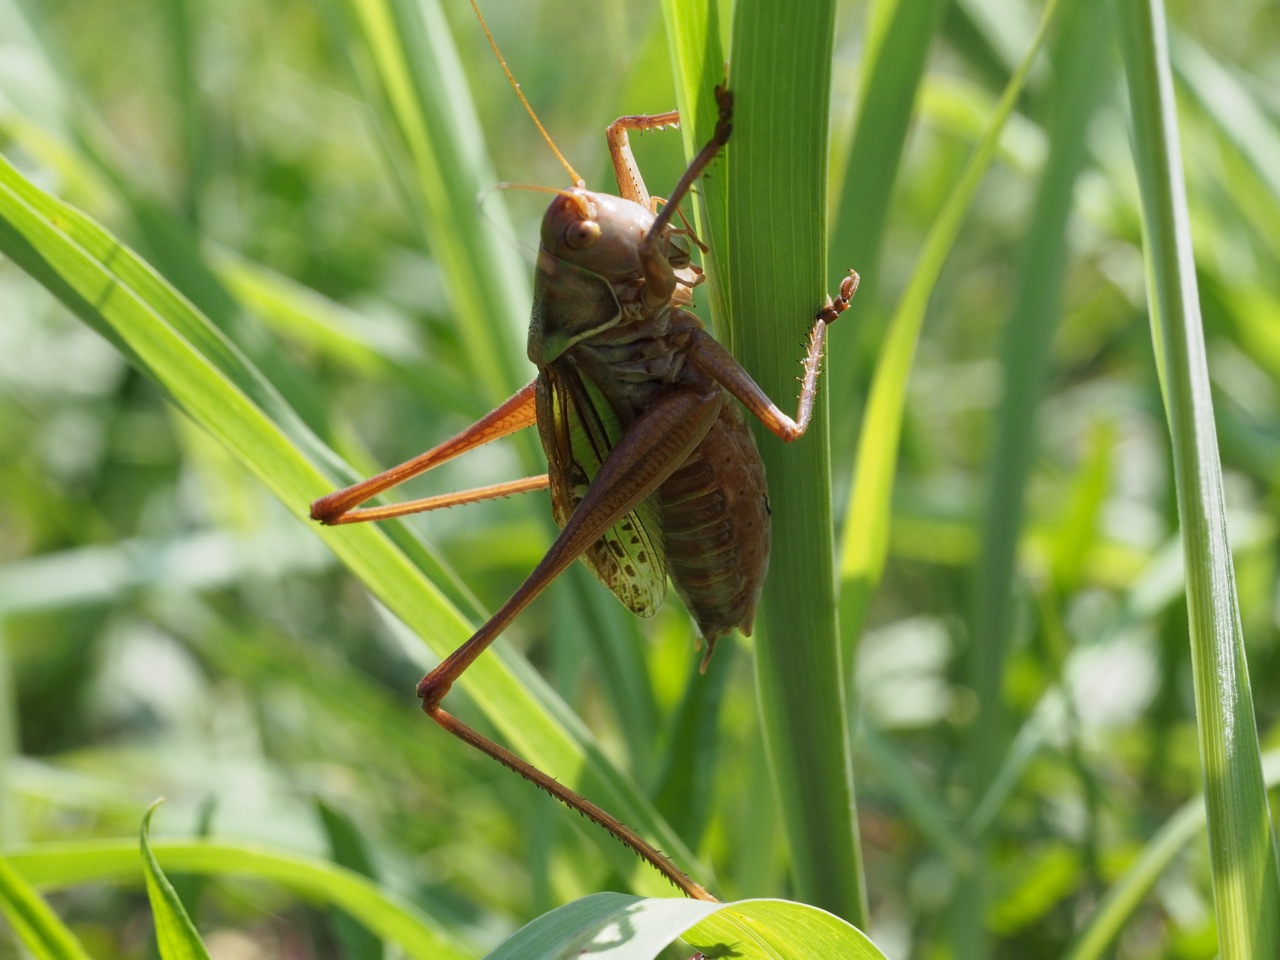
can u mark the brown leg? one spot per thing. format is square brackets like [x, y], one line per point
[713, 359]
[573, 801]
[493, 491]
[657, 443]
[514, 414]
[660, 279]
[630, 182]
[724, 127]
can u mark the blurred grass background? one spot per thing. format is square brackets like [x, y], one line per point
[170, 628]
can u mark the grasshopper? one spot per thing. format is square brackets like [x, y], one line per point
[652, 470]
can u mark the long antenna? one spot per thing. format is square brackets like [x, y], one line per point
[573, 174]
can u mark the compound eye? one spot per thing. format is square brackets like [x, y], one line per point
[581, 234]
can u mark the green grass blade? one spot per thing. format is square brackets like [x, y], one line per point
[779, 930]
[892, 68]
[1137, 882]
[607, 926]
[405, 56]
[693, 35]
[96, 243]
[1235, 112]
[379, 351]
[176, 935]
[1080, 75]
[348, 848]
[385, 914]
[1080, 78]
[1244, 129]
[899, 34]
[612, 926]
[777, 173]
[865, 539]
[1246, 876]
[923, 808]
[536, 722]
[89, 163]
[181, 18]
[10, 729]
[33, 921]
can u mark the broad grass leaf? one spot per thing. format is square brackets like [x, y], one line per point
[615, 926]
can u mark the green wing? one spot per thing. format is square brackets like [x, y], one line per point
[578, 429]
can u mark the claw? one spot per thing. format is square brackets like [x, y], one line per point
[831, 312]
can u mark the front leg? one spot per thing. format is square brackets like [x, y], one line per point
[660, 278]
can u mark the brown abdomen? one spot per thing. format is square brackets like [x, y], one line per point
[715, 515]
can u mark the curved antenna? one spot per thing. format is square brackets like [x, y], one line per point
[573, 174]
[535, 187]
[514, 239]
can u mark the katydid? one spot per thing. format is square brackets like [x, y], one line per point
[652, 471]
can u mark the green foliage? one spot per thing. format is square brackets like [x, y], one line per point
[1246, 873]
[176, 936]
[242, 248]
[776, 262]
[33, 921]
[615, 926]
